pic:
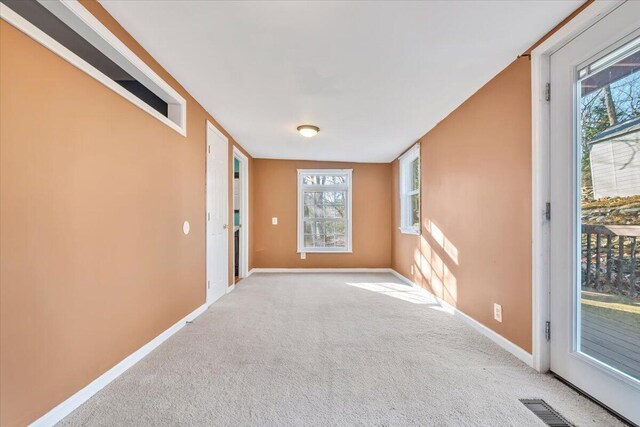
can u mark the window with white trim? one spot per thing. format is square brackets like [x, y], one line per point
[324, 210]
[410, 191]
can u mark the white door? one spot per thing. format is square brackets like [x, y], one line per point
[217, 189]
[595, 187]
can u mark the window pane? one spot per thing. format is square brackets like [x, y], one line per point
[339, 227]
[415, 174]
[329, 241]
[308, 241]
[329, 227]
[324, 179]
[329, 197]
[308, 225]
[318, 228]
[331, 212]
[308, 198]
[608, 157]
[340, 240]
[415, 210]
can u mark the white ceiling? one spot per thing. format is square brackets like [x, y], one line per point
[374, 76]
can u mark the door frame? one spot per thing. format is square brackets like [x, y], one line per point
[208, 292]
[243, 264]
[540, 127]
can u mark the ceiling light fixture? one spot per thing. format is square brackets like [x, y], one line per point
[308, 130]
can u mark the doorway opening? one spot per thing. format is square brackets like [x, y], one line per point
[240, 215]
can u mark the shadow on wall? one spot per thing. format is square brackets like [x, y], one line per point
[434, 260]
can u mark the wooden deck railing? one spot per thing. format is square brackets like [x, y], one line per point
[610, 257]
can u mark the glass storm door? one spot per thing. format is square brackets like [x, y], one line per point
[595, 199]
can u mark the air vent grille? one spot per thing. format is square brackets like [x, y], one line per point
[545, 412]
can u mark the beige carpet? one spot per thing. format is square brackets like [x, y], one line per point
[330, 349]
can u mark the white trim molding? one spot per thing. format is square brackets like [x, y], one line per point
[507, 345]
[540, 170]
[80, 20]
[72, 403]
[243, 268]
[320, 270]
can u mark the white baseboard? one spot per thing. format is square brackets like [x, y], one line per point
[320, 270]
[73, 402]
[231, 288]
[512, 348]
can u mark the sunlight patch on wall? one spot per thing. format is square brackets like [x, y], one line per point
[435, 274]
[442, 240]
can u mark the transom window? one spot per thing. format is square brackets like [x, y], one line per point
[410, 191]
[324, 210]
[73, 33]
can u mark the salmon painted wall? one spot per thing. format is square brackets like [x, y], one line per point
[475, 243]
[94, 192]
[275, 194]
[475, 246]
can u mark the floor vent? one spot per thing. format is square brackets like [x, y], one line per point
[545, 412]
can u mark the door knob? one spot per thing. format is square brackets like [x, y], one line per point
[225, 226]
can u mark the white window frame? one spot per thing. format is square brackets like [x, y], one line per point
[348, 187]
[78, 18]
[405, 194]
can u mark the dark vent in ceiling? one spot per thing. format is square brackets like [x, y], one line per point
[545, 412]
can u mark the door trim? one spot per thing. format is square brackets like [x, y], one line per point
[540, 115]
[243, 264]
[212, 127]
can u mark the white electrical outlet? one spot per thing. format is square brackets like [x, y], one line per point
[497, 312]
[303, 255]
[274, 220]
[412, 269]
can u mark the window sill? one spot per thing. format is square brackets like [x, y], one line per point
[409, 231]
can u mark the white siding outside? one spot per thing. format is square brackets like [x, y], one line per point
[615, 166]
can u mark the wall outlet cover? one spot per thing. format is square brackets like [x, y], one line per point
[274, 220]
[303, 255]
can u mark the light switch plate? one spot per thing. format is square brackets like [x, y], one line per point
[303, 255]
[497, 312]
[274, 220]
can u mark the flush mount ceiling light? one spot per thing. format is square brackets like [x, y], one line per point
[308, 130]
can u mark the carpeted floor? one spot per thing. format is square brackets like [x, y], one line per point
[330, 349]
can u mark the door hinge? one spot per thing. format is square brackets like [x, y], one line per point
[547, 92]
[208, 216]
[208, 284]
[209, 149]
[547, 212]
[547, 330]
